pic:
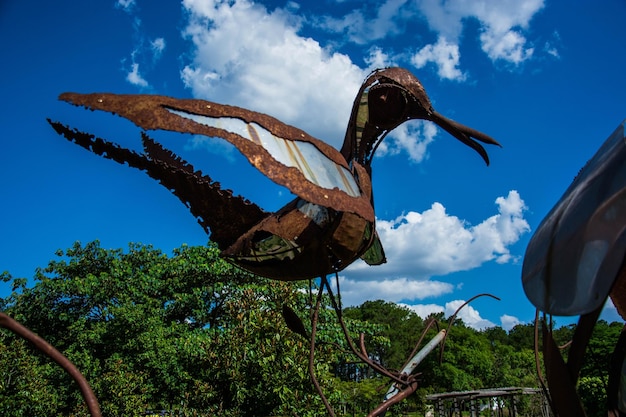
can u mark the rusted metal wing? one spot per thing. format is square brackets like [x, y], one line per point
[225, 215]
[308, 167]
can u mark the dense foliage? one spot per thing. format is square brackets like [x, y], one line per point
[192, 334]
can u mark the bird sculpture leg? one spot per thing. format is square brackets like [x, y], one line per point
[314, 319]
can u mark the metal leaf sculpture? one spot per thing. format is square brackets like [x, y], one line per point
[330, 223]
[575, 261]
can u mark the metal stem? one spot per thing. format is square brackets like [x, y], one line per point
[90, 399]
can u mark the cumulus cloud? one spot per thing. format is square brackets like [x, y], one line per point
[425, 310]
[508, 322]
[412, 137]
[445, 55]
[135, 78]
[268, 67]
[361, 26]
[377, 58]
[470, 316]
[355, 292]
[422, 245]
[508, 46]
[502, 26]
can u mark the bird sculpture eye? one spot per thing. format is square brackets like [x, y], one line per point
[388, 106]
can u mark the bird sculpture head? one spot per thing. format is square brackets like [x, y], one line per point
[388, 98]
[331, 222]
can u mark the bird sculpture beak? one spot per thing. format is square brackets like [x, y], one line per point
[465, 134]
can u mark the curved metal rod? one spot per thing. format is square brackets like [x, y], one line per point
[318, 303]
[542, 381]
[88, 395]
[384, 406]
[429, 324]
[362, 345]
[453, 317]
[376, 367]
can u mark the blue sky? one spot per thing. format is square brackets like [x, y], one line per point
[544, 78]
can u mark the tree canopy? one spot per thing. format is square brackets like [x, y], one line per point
[192, 334]
[186, 332]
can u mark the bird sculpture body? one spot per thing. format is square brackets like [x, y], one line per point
[330, 223]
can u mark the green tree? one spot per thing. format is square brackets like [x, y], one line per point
[400, 330]
[592, 391]
[522, 336]
[188, 332]
[25, 388]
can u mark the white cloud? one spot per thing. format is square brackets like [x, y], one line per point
[378, 59]
[424, 310]
[508, 46]
[268, 67]
[355, 292]
[551, 50]
[552, 46]
[126, 5]
[445, 55]
[422, 245]
[508, 322]
[135, 78]
[361, 26]
[412, 137]
[470, 316]
[158, 46]
[502, 23]
[271, 68]
[145, 52]
[502, 26]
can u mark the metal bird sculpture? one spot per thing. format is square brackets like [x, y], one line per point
[329, 224]
[325, 228]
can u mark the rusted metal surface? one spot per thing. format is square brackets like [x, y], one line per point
[499, 401]
[47, 349]
[152, 112]
[197, 191]
[389, 98]
[330, 224]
